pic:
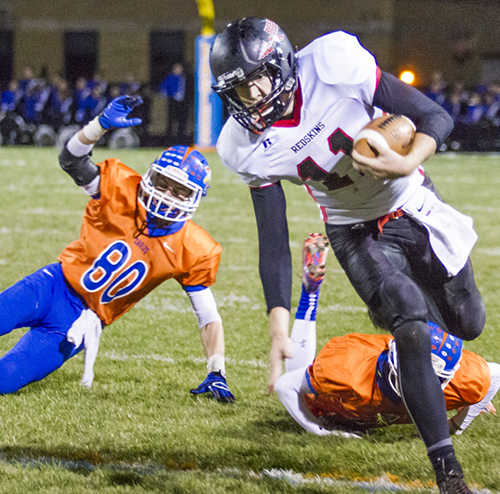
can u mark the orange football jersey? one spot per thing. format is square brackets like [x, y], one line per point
[343, 376]
[111, 270]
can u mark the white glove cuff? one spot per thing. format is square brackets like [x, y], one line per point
[216, 364]
[93, 130]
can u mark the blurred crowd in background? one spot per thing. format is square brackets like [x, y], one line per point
[475, 112]
[44, 111]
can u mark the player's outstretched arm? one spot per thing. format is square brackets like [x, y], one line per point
[212, 339]
[290, 388]
[275, 268]
[281, 344]
[74, 158]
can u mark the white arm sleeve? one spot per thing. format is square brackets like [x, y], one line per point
[204, 307]
[78, 148]
[463, 418]
[290, 388]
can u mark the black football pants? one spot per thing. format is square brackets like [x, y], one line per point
[404, 285]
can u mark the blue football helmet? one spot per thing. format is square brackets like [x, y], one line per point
[183, 165]
[446, 354]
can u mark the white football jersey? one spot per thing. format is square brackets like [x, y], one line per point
[337, 82]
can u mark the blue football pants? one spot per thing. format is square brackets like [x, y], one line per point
[42, 302]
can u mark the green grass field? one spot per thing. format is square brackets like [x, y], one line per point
[139, 430]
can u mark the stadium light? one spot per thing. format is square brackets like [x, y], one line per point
[407, 76]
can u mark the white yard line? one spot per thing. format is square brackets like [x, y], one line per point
[376, 484]
[164, 358]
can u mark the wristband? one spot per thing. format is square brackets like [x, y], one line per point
[216, 364]
[93, 130]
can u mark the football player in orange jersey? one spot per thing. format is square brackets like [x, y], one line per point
[136, 233]
[352, 384]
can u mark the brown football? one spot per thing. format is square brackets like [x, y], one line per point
[395, 131]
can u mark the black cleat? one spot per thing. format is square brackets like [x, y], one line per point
[453, 484]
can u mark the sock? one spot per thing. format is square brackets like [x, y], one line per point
[308, 305]
[304, 332]
[444, 461]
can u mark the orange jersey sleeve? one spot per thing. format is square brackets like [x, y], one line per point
[112, 270]
[343, 377]
[470, 383]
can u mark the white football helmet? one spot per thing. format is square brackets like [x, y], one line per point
[185, 167]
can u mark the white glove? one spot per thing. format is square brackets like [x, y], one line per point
[86, 328]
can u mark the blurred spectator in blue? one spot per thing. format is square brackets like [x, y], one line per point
[80, 94]
[33, 103]
[28, 81]
[437, 89]
[492, 98]
[97, 81]
[113, 92]
[11, 97]
[173, 88]
[94, 104]
[59, 108]
[456, 102]
[476, 108]
[129, 86]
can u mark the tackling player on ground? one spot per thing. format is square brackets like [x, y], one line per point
[351, 386]
[136, 233]
[294, 117]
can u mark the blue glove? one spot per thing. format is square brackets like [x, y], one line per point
[215, 384]
[116, 113]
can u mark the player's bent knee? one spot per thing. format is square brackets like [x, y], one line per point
[12, 376]
[413, 337]
[473, 319]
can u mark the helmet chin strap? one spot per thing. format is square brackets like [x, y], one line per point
[142, 224]
[160, 231]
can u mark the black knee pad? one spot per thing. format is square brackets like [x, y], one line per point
[399, 299]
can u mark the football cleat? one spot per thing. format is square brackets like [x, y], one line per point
[313, 259]
[453, 484]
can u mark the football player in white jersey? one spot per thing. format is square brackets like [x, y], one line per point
[293, 116]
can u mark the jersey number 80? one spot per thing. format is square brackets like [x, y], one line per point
[109, 263]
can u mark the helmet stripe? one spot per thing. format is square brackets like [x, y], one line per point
[186, 154]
